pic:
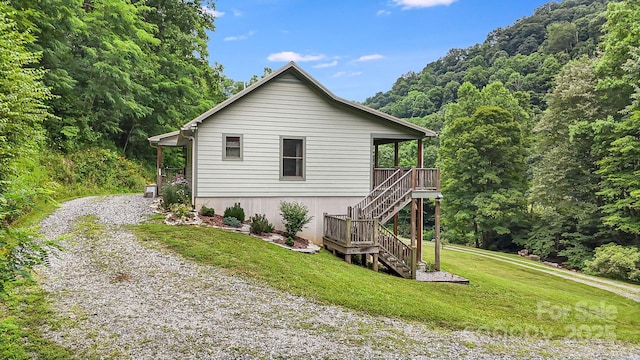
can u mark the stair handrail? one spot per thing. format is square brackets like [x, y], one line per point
[401, 251]
[364, 201]
[390, 189]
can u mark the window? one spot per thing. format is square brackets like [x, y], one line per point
[232, 147]
[292, 165]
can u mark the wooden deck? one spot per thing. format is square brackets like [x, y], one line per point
[361, 230]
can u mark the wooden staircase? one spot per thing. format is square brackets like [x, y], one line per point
[389, 196]
[395, 254]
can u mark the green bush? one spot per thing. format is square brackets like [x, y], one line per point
[235, 211]
[176, 192]
[294, 216]
[231, 221]
[207, 211]
[289, 242]
[181, 210]
[615, 261]
[260, 224]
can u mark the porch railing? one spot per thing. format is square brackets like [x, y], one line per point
[167, 174]
[351, 232]
[427, 178]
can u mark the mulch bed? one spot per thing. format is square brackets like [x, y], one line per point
[298, 242]
[218, 220]
[215, 220]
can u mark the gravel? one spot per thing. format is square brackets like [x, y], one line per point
[115, 297]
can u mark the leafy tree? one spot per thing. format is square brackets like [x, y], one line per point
[567, 216]
[22, 96]
[621, 43]
[482, 158]
[22, 110]
[620, 171]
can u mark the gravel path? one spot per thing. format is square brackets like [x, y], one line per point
[116, 298]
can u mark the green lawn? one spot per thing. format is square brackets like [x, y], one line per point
[502, 298]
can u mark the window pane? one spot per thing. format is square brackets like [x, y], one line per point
[289, 167]
[232, 147]
[233, 152]
[292, 147]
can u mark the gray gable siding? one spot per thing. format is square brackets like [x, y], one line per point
[338, 144]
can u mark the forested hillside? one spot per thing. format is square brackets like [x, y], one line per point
[539, 135]
[83, 83]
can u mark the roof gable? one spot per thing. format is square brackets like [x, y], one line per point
[293, 69]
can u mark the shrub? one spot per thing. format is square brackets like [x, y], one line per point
[207, 211]
[181, 211]
[294, 216]
[289, 242]
[615, 261]
[176, 192]
[231, 221]
[236, 211]
[260, 224]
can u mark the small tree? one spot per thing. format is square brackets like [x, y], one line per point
[294, 216]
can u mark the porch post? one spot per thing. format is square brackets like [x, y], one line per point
[437, 234]
[420, 153]
[376, 156]
[395, 154]
[420, 202]
[159, 166]
[376, 164]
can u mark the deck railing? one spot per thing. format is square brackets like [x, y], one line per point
[427, 178]
[350, 232]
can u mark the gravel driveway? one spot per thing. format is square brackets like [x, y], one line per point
[117, 298]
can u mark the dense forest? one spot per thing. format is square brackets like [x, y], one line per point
[539, 132]
[539, 125]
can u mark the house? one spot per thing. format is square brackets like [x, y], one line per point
[288, 138]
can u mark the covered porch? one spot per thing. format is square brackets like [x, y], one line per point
[362, 230]
[165, 173]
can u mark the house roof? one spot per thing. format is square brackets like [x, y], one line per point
[292, 67]
[175, 136]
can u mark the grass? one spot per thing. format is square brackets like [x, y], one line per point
[501, 299]
[21, 316]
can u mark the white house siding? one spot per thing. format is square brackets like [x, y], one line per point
[338, 150]
[188, 166]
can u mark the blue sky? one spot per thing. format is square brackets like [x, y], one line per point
[355, 48]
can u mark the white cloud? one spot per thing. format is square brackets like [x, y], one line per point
[237, 12]
[383, 12]
[293, 56]
[326, 65]
[346, 74]
[212, 12]
[239, 37]
[369, 57]
[410, 4]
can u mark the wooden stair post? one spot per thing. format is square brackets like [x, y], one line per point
[375, 243]
[414, 210]
[347, 232]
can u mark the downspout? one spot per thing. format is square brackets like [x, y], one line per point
[193, 163]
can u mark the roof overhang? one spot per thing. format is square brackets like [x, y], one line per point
[173, 138]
